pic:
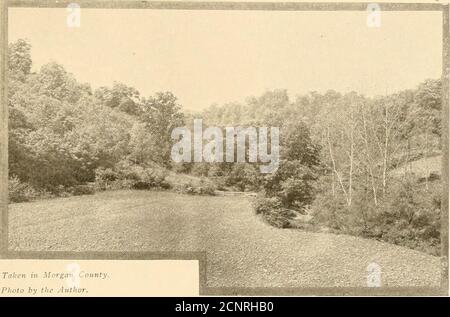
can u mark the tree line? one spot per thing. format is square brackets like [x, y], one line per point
[350, 161]
[61, 131]
[338, 151]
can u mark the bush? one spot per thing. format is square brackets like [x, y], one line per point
[273, 212]
[330, 211]
[206, 190]
[79, 190]
[104, 177]
[265, 205]
[201, 189]
[130, 176]
[200, 169]
[20, 191]
[244, 176]
[183, 167]
[220, 182]
[409, 215]
[293, 183]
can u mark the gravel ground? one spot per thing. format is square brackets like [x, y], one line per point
[242, 250]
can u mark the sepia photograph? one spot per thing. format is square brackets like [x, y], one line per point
[294, 147]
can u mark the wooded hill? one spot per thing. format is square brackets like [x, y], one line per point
[340, 153]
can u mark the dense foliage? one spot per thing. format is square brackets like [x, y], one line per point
[346, 159]
[63, 135]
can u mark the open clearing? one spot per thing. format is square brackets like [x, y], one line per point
[242, 250]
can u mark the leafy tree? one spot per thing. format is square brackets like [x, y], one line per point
[428, 99]
[294, 180]
[55, 82]
[162, 113]
[142, 144]
[298, 145]
[245, 176]
[121, 97]
[19, 59]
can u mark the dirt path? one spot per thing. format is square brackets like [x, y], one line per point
[242, 251]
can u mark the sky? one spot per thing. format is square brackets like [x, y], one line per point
[207, 57]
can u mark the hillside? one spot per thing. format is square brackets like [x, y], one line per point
[421, 167]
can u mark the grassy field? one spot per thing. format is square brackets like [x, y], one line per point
[241, 249]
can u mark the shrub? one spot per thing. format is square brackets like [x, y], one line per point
[186, 189]
[183, 167]
[122, 184]
[79, 190]
[130, 176]
[409, 215]
[104, 177]
[205, 190]
[265, 205]
[200, 169]
[244, 176]
[220, 182]
[20, 191]
[273, 212]
[293, 183]
[201, 189]
[217, 169]
[330, 211]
